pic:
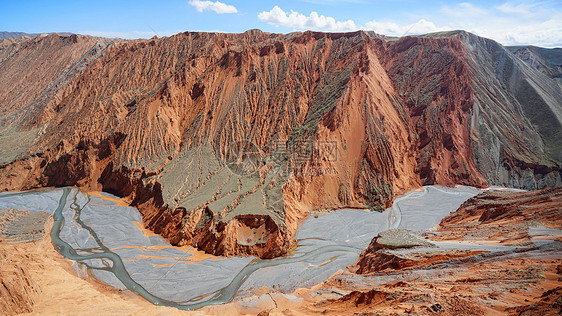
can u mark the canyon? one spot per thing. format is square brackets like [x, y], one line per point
[509, 266]
[227, 142]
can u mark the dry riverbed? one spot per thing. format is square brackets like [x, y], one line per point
[41, 281]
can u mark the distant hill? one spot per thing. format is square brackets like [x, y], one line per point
[4, 34]
[545, 60]
[552, 56]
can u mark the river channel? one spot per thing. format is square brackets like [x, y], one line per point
[103, 235]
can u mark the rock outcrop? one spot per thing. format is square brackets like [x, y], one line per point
[17, 289]
[546, 60]
[20, 234]
[228, 141]
[384, 253]
[504, 216]
[473, 270]
[501, 217]
[16, 225]
[550, 303]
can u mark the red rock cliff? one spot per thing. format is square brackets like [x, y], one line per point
[228, 141]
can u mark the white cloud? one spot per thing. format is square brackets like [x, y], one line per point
[510, 23]
[464, 11]
[393, 29]
[522, 8]
[216, 6]
[314, 21]
[507, 23]
[333, 2]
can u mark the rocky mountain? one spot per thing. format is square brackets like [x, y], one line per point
[545, 60]
[4, 34]
[404, 272]
[504, 215]
[15, 35]
[228, 141]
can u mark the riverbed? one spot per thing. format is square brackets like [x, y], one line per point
[105, 236]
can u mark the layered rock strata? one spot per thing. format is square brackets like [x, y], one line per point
[228, 141]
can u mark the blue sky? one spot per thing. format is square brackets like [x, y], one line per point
[509, 22]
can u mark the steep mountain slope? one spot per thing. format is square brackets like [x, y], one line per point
[519, 112]
[171, 111]
[545, 60]
[228, 141]
[491, 111]
[32, 71]
[433, 78]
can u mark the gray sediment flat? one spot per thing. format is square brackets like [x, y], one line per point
[326, 244]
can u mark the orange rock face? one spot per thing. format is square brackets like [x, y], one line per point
[503, 216]
[379, 255]
[228, 141]
[370, 262]
[18, 293]
[452, 281]
[433, 78]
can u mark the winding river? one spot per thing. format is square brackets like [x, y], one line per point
[100, 235]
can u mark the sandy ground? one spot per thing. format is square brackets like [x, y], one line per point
[54, 288]
[61, 291]
[490, 287]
